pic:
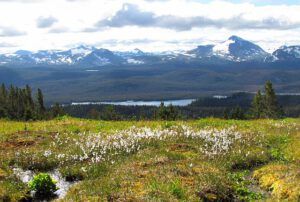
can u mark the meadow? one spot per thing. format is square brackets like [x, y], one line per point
[200, 160]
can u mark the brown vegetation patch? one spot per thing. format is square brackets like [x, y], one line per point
[156, 162]
[2, 174]
[181, 147]
[25, 139]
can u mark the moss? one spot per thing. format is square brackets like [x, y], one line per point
[13, 190]
[292, 151]
[282, 180]
[3, 174]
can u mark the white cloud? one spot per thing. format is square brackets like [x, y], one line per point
[10, 32]
[146, 24]
[45, 22]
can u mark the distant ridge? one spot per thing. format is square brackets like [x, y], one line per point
[234, 49]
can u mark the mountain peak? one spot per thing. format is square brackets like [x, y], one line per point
[287, 53]
[23, 52]
[137, 51]
[235, 38]
[234, 48]
[84, 47]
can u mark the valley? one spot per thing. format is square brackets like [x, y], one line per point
[204, 71]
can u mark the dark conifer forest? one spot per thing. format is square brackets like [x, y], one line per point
[21, 104]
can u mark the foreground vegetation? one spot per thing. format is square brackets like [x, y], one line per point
[201, 160]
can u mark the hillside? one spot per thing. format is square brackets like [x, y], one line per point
[151, 82]
[206, 160]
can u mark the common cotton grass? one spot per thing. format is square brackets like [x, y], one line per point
[99, 147]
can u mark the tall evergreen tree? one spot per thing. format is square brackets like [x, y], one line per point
[57, 110]
[272, 109]
[162, 112]
[266, 106]
[40, 101]
[29, 103]
[257, 108]
[237, 113]
[3, 101]
[17, 103]
[28, 95]
[167, 112]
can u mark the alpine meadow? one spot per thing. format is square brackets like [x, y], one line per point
[149, 100]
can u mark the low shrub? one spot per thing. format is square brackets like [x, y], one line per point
[43, 185]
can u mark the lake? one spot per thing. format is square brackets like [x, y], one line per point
[183, 102]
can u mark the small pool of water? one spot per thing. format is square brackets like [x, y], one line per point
[63, 186]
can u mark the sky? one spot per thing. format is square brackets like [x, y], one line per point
[150, 25]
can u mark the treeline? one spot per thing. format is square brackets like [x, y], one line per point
[266, 104]
[19, 104]
[111, 112]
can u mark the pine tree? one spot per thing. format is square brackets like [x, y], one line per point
[163, 113]
[3, 101]
[173, 113]
[257, 108]
[17, 103]
[29, 103]
[28, 94]
[266, 106]
[57, 111]
[12, 103]
[40, 103]
[237, 113]
[272, 109]
[170, 112]
[226, 114]
[110, 113]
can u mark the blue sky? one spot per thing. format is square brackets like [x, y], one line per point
[151, 25]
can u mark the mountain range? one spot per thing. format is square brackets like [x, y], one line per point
[85, 73]
[234, 49]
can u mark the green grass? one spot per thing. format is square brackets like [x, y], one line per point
[263, 164]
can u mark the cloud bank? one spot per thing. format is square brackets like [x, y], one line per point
[131, 15]
[146, 24]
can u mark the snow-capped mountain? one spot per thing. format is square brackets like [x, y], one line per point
[284, 53]
[101, 57]
[234, 49]
[81, 55]
[47, 57]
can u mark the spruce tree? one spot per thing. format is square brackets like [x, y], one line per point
[257, 108]
[17, 103]
[173, 113]
[57, 111]
[272, 109]
[29, 104]
[3, 101]
[163, 112]
[40, 102]
[237, 113]
[226, 113]
[266, 106]
[12, 103]
[28, 95]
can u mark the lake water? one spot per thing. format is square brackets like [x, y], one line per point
[184, 102]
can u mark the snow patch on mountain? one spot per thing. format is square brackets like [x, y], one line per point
[223, 48]
[82, 50]
[134, 61]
